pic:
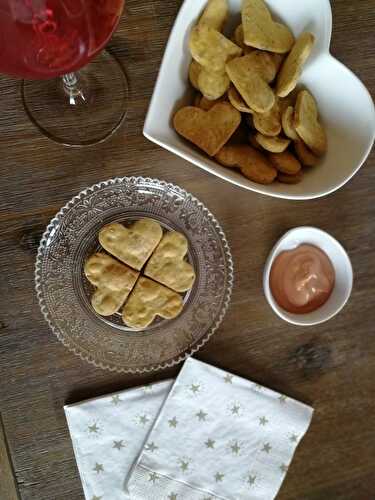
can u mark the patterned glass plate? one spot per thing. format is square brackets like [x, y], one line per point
[64, 293]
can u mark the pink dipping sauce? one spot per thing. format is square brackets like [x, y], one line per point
[302, 279]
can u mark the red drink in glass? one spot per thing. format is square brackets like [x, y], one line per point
[42, 39]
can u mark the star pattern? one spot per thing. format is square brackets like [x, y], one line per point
[210, 443]
[153, 477]
[251, 479]
[118, 445]
[219, 477]
[235, 409]
[195, 388]
[93, 429]
[267, 447]
[116, 400]
[152, 447]
[293, 438]
[173, 422]
[98, 468]
[143, 419]
[184, 465]
[201, 416]
[235, 447]
[263, 421]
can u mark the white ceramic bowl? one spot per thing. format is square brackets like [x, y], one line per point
[340, 261]
[345, 105]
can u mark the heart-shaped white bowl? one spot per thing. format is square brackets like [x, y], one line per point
[345, 105]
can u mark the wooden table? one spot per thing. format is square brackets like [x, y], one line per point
[331, 366]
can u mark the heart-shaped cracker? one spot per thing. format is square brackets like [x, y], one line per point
[261, 31]
[268, 123]
[291, 70]
[148, 300]
[194, 71]
[113, 280]
[251, 75]
[209, 130]
[236, 100]
[252, 163]
[133, 245]
[168, 265]
[287, 121]
[290, 179]
[215, 14]
[212, 84]
[206, 104]
[285, 162]
[272, 144]
[211, 49]
[305, 156]
[307, 125]
[238, 39]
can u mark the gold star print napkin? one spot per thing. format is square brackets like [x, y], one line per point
[218, 436]
[108, 434]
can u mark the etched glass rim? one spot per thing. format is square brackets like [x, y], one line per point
[66, 341]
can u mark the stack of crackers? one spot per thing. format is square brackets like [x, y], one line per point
[247, 113]
[143, 273]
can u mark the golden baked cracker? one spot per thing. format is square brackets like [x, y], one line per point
[238, 39]
[250, 75]
[291, 70]
[211, 49]
[272, 144]
[278, 60]
[287, 121]
[289, 100]
[194, 71]
[209, 130]
[212, 84]
[307, 125]
[207, 104]
[290, 179]
[252, 163]
[236, 100]
[285, 162]
[113, 281]
[132, 245]
[268, 123]
[305, 156]
[168, 265]
[215, 14]
[261, 31]
[148, 300]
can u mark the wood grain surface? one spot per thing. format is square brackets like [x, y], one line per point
[8, 486]
[331, 366]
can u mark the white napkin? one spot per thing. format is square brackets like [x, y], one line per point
[108, 434]
[218, 436]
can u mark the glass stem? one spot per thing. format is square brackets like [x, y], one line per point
[73, 88]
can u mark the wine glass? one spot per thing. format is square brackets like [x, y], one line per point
[44, 39]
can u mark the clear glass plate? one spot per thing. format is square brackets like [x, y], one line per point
[64, 293]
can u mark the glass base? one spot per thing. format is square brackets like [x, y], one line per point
[83, 108]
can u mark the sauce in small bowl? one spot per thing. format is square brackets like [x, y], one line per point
[308, 276]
